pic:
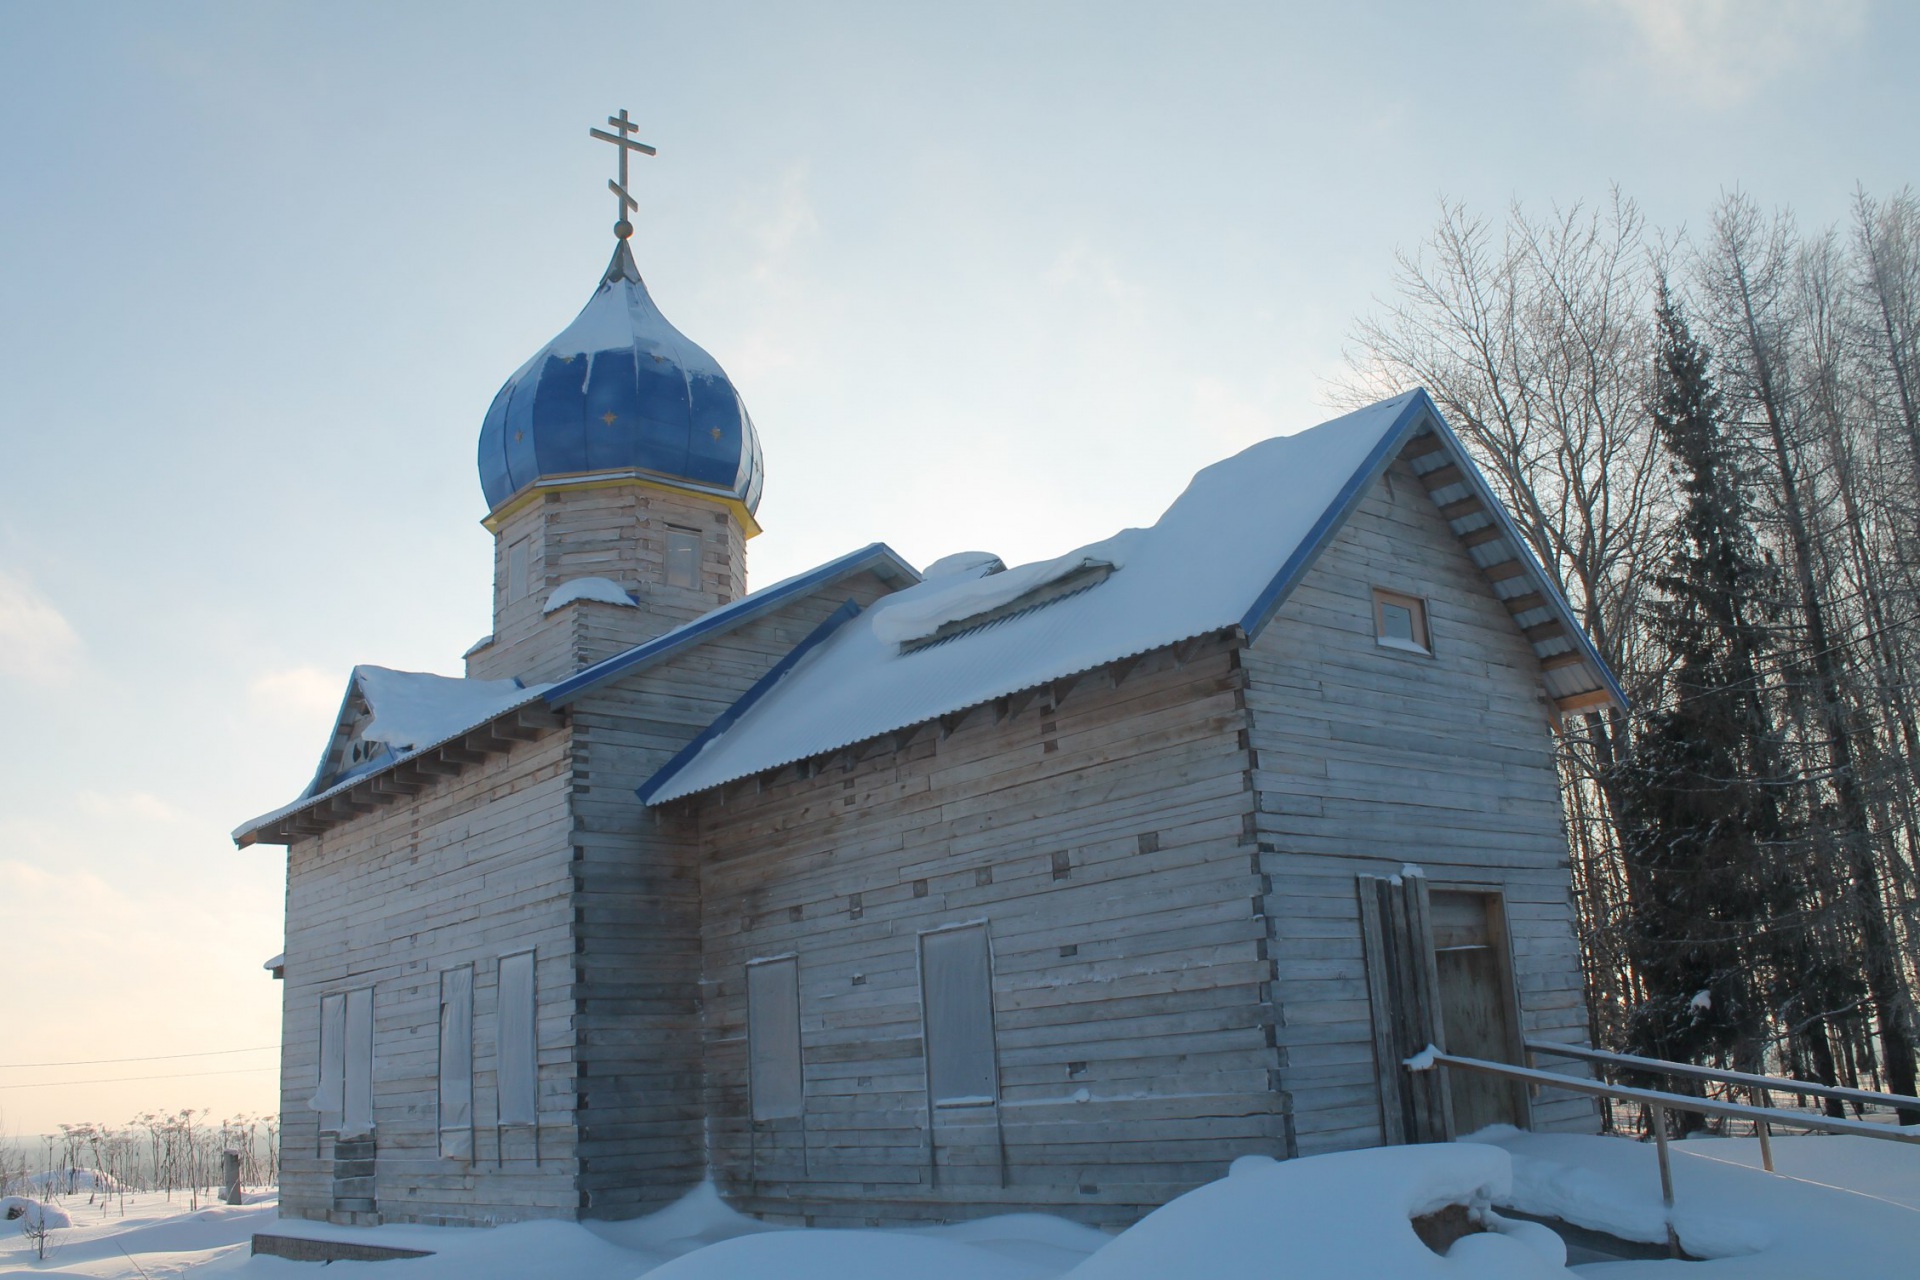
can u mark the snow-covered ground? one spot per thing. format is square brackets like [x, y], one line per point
[1841, 1209]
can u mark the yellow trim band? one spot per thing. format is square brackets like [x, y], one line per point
[750, 527]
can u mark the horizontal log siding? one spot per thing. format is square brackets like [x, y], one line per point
[1367, 758]
[636, 911]
[618, 532]
[473, 868]
[1108, 844]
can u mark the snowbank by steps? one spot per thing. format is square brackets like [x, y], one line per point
[1838, 1208]
[1334, 1217]
[1847, 1209]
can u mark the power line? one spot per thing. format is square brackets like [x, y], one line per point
[160, 1057]
[185, 1075]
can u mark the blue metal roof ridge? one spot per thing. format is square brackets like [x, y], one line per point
[724, 618]
[726, 719]
[1275, 594]
[1420, 411]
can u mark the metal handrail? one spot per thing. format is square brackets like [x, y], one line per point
[1671, 1101]
[1777, 1084]
[1658, 1102]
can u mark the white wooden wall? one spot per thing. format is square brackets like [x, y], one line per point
[636, 903]
[1107, 844]
[617, 532]
[466, 872]
[1368, 758]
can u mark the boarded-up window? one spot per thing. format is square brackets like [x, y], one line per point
[683, 557]
[329, 1090]
[518, 557]
[456, 1063]
[516, 1068]
[773, 1038]
[956, 993]
[356, 1118]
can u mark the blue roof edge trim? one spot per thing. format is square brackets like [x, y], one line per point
[1275, 594]
[726, 617]
[1420, 411]
[309, 798]
[726, 719]
[1549, 589]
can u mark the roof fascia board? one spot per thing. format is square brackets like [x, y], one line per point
[720, 621]
[1419, 407]
[248, 832]
[1523, 550]
[726, 719]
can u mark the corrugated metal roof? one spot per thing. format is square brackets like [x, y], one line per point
[876, 556]
[1226, 554]
[1223, 556]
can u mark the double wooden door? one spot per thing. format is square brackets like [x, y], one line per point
[1439, 972]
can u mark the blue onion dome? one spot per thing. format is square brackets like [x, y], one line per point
[620, 392]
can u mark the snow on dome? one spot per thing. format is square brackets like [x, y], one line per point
[962, 562]
[278, 962]
[605, 590]
[620, 390]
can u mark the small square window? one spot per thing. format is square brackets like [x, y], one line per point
[1400, 621]
[683, 557]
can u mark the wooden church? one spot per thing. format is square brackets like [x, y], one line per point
[886, 894]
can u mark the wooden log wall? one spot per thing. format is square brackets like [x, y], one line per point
[1107, 842]
[636, 910]
[474, 868]
[1367, 758]
[616, 532]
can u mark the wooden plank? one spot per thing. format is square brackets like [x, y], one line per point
[1592, 700]
[1441, 477]
[1379, 1005]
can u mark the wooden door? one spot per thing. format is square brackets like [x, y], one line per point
[1438, 973]
[1477, 1007]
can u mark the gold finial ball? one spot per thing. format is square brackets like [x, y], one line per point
[623, 229]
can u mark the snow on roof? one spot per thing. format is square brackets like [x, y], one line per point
[604, 590]
[1223, 555]
[961, 561]
[413, 708]
[410, 712]
[875, 556]
[966, 594]
[413, 712]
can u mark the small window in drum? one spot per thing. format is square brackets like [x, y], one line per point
[1400, 621]
[683, 557]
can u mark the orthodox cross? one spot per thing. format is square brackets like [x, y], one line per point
[623, 228]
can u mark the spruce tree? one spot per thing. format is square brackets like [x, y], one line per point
[1699, 802]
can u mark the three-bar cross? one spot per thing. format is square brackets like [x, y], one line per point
[623, 228]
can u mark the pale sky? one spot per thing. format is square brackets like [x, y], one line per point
[994, 276]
